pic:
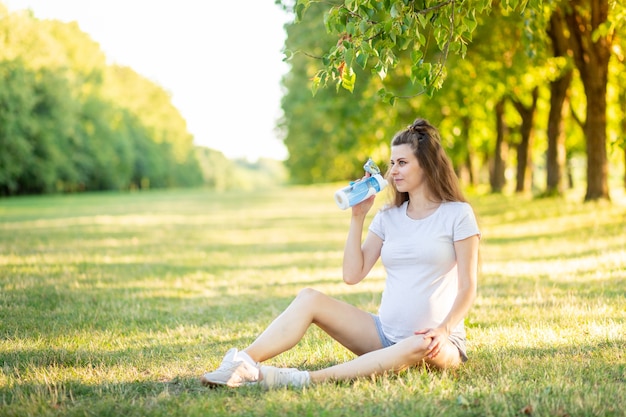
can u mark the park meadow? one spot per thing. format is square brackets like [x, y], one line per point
[114, 304]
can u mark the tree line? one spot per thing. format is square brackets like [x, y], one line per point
[519, 89]
[513, 86]
[70, 122]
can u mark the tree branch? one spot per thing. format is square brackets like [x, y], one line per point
[577, 118]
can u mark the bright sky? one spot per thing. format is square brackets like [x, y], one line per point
[220, 60]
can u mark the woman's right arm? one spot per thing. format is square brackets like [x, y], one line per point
[359, 259]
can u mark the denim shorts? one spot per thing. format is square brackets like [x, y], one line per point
[456, 340]
[379, 328]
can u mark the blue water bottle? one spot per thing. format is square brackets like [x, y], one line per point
[363, 189]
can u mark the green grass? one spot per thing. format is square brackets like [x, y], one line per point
[115, 304]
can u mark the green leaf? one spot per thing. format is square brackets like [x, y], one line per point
[315, 86]
[405, 42]
[470, 23]
[385, 96]
[387, 26]
[317, 81]
[363, 26]
[331, 19]
[300, 8]
[393, 12]
[349, 56]
[361, 59]
[416, 56]
[366, 49]
[351, 28]
[423, 20]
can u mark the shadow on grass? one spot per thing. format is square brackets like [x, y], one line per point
[142, 310]
[69, 393]
[576, 379]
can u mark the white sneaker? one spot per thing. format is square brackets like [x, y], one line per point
[283, 377]
[232, 372]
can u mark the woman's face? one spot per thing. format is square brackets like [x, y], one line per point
[405, 170]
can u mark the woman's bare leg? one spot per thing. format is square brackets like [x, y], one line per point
[409, 352]
[353, 328]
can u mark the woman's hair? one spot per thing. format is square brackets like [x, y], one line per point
[425, 141]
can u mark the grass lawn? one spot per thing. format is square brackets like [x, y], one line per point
[114, 304]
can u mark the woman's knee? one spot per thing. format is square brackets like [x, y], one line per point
[310, 296]
[416, 348]
[315, 303]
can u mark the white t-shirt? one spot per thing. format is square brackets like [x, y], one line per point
[419, 257]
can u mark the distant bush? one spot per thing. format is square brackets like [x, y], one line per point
[220, 173]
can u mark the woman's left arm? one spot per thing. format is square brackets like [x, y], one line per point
[467, 268]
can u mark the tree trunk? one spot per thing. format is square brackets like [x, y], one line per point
[559, 104]
[592, 60]
[597, 165]
[499, 158]
[556, 153]
[524, 149]
[624, 135]
[570, 174]
[469, 155]
[622, 104]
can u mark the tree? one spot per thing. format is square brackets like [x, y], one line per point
[17, 100]
[591, 36]
[371, 34]
[498, 169]
[494, 73]
[51, 124]
[330, 135]
[524, 148]
[620, 78]
[412, 40]
[559, 106]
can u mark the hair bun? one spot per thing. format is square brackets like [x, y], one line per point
[417, 124]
